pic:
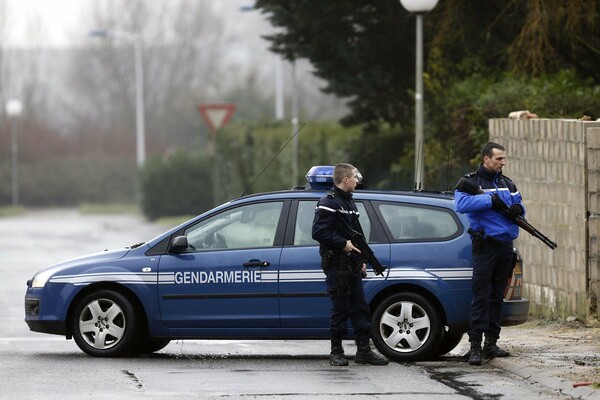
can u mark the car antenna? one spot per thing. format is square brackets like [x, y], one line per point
[273, 159]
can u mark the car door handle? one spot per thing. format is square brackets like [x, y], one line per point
[256, 263]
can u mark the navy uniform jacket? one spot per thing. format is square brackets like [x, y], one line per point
[479, 207]
[337, 203]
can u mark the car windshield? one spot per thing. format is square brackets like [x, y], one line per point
[247, 226]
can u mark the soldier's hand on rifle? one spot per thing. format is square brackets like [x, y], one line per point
[514, 211]
[363, 270]
[497, 203]
[350, 247]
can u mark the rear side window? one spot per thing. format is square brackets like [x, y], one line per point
[306, 215]
[414, 222]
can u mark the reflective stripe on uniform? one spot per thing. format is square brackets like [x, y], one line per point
[342, 211]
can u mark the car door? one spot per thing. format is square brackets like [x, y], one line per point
[423, 236]
[303, 294]
[428, 247]
[227, 278]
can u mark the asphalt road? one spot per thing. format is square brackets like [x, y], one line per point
[38, 366]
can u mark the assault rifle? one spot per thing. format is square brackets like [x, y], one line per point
[360, 243]
[468, 187]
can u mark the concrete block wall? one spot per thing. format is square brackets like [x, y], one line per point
[593, 200]
[556, 166]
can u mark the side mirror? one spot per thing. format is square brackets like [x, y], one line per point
[179, 244]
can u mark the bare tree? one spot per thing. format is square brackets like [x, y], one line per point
[181, 47]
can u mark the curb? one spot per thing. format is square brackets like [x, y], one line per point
[534, 375]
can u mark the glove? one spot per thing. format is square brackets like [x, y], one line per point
[497, 203]
[514, 211]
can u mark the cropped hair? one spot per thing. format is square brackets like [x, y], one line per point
[341, 171]
[488, 148]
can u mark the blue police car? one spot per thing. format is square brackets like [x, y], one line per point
[249, 269]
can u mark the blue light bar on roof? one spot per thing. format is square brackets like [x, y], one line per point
[320, 177]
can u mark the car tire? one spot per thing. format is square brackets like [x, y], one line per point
[449, 341]
[104, 324]
[407, 328]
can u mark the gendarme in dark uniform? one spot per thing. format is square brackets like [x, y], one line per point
[344, 268]
[492, 234]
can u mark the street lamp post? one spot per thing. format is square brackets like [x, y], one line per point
[294, 122]
[136, 39]
[419, 7]
[278, 74]
[13, 110]
[279, 102]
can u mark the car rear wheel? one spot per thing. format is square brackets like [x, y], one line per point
[407, 328]
[104, 324]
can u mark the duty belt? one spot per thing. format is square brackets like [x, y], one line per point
[480, 235]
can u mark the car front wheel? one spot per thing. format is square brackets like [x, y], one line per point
[407, 328]
[104, 324]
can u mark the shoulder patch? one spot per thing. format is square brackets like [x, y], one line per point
[470, 175]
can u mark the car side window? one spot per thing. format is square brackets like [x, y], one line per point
[247, 226]
[306, 215]
[410, 222]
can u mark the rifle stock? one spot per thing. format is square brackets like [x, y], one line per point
[467, 187]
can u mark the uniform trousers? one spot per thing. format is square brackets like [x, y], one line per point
[492, 266]
[346, 306]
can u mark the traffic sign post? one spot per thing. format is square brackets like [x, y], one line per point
[216, 116]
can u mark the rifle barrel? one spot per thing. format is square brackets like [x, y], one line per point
[522, 222]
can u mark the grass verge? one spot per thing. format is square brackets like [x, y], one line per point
[97, 208]
[11, 211]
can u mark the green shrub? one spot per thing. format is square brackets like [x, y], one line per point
[184, 184]
[71, 181]
[176, 185]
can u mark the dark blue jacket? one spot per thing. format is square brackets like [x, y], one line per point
[479, 207]
[336, 204]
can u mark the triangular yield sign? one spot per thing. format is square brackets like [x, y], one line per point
[216, 116]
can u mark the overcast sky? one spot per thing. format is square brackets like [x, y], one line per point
[56, 18]
[57, 23]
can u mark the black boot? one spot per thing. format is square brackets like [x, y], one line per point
[475, 353]
[364, 355]
[337, 358]
[491, 350]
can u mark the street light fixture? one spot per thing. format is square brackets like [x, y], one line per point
[136, 39]
[13, 110]
[419, 7]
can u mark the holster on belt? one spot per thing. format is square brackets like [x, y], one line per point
[480, 236]
[327, 260]
[340, 263]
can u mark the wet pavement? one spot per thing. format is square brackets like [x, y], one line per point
[559, 356]
[563, 356]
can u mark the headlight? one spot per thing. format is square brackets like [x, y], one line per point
[40, 279]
